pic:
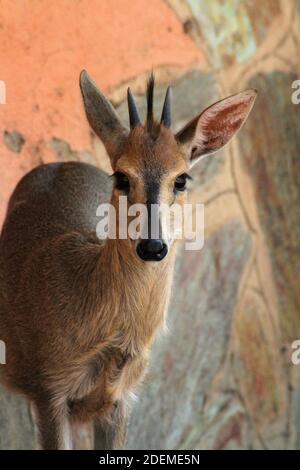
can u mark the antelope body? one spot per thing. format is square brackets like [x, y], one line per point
[78, 315]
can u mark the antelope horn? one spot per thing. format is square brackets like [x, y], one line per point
[132, 109]
[166, 112]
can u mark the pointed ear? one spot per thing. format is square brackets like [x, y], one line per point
[216, 125]
[102, 117]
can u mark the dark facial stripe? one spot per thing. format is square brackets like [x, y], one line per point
[152, 190]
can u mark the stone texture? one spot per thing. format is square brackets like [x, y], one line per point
[15, 423]
[272, 160]
[14, 141]
[233, 30]
[259, 369]
[65, 153]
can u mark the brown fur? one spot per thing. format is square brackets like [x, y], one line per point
[77, 333]
[78, 316]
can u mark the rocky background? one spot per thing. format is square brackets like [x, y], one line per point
[223, 377]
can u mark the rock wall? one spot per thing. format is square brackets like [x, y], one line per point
[222, 377]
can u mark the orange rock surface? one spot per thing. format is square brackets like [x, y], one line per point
[43, 47]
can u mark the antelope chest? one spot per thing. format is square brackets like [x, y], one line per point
[118, 369]
[128, 366]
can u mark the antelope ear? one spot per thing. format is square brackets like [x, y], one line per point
[102, 116]
[216, 125]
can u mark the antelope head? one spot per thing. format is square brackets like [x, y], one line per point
[151, 164]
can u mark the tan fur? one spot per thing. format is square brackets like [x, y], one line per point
[79, 315]
[92, 358]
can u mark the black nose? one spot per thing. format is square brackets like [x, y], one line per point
[152, 250]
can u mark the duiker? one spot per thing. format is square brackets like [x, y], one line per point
[78, 315]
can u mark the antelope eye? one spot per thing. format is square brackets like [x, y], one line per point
[122, 182]
[180, 182]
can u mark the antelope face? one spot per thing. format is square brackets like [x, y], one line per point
[150, 163]
[152, 172]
